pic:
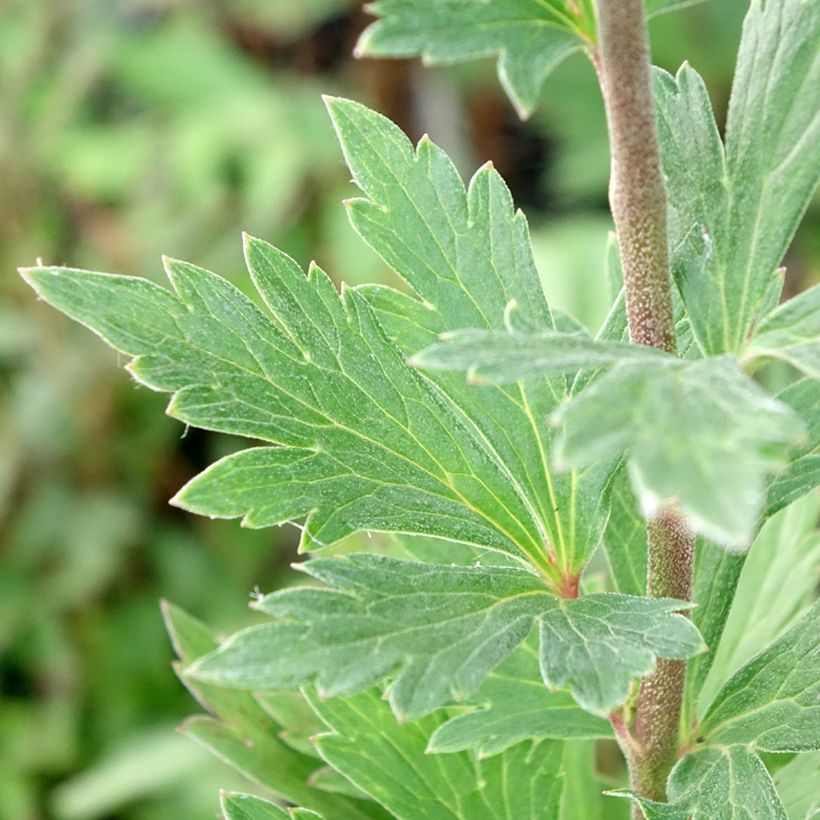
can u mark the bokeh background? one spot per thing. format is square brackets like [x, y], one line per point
[133, 128]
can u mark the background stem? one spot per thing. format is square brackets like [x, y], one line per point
[637, 197]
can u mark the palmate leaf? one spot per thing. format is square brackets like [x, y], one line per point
[388, 761]
[366, 446]
[363, 442]
[791, 332]
[467, 255]
[700, 432]
[439, 630]
[529, 37]
[733, 211]
[716, 784]
[774, 700]
[514, 705]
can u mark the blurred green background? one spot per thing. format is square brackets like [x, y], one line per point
[133, 128]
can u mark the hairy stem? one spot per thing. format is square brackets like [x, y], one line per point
[657, 720]
[637, 197]
[637, 193]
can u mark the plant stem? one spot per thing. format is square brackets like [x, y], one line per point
[637, 193]
[637, 197]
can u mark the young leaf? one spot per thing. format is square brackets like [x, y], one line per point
[388, 761]
[467, 255]
[774, 700]
[530, 38]
[791, 332]
[238, 806]
[734, 212]
[716, 784]
[699, 432]
[442, 629]
[515, 706]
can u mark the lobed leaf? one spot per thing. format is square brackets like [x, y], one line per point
[514, 705]
[388, 761]
[467, 255]
[361, 447]
[773, 701]
[700, 433]
[716, 784]
[530, 38]
[598, 643]
[439, 630]
[734, 210]
[242, 734]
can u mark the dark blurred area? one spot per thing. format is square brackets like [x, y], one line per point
[134, 128]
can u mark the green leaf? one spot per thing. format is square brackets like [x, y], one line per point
[515, 706]
[733, 212]
[530, 38]
[784, 556]
[717, 572]
[774, 700]
[597, 643]
[244, 736]
[499, 358]
[798, 784]
[791, 332]
[441, 630]
[699, 432]
[716, 784]
[238, 806]
[803, 471]
[467, 255]
[388, 761]
[625, 539]
[363, 447]
[446, 627]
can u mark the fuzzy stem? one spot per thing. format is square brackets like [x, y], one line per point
[637, 197]
[670, 552]
[637, 193]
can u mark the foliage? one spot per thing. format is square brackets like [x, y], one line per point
[507, 510]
